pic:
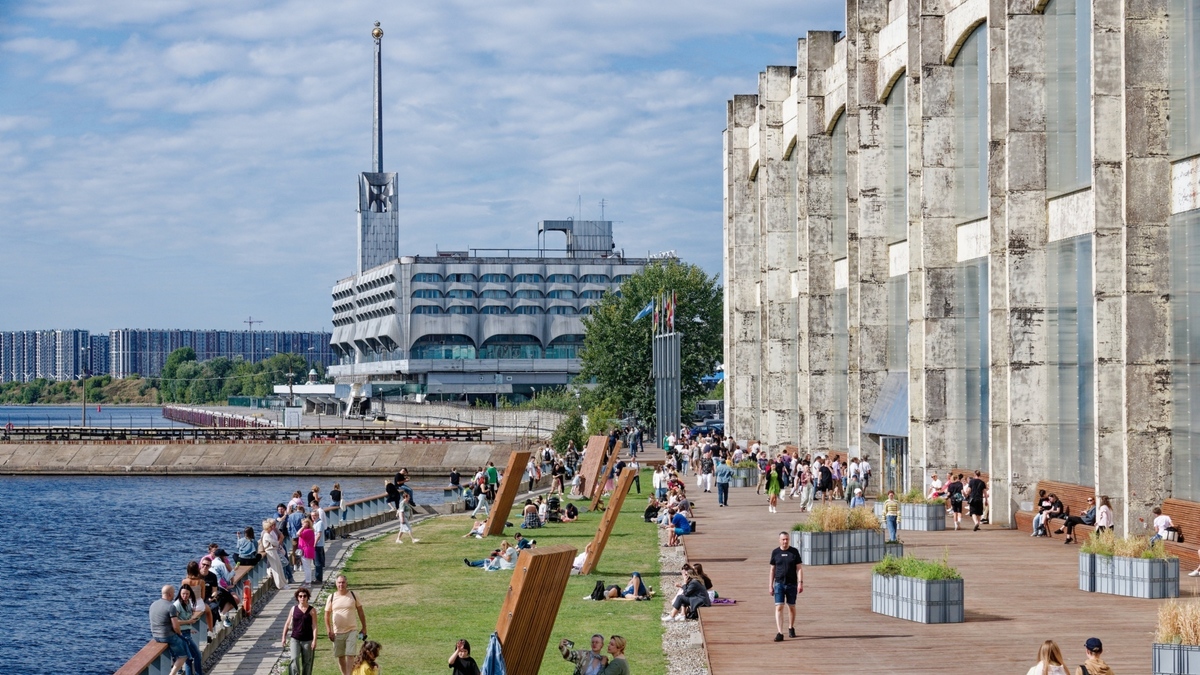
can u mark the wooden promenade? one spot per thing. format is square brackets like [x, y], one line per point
[1020, 591]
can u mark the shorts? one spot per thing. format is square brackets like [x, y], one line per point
[681, 531]
[404, 527]
[785, 593]
[175, 646]
[977, 508]
[956, 506]
[344, 644]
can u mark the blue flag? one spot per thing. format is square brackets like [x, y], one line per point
[493, 664]
[645, 312]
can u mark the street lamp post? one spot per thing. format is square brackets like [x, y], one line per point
[83, 385]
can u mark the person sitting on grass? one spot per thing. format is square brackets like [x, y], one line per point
[652, 509]
[581, 559]
[477, 530]
[587, 662]
[522, 543]
[530, 513]
[570, 514]
[503, 558]
[635, 590]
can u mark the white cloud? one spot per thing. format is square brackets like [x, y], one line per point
[200, 158]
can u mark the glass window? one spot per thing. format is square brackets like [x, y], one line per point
[565, 347]
[586, 309]
[461, 278]
[897, 159]
[511, 347]
[495, 309]
[897, 345]
[427, 278]
[592, 295]
[594, 279]
[528, 278]
[495, 295]
[443, 347]
[1068, 95]
[460, 309]
[460, 293]
[841, 371]
[529, 295]
[1185, 78]
[427, 293]
[1185, 361]
[528, 309]
[838, 186]
[1070, 369]
[971, 376]
[426, 309]
[562, 309]
[562, 279]
[971, 126]
[620, 278]
[561, 295]
[494, 278]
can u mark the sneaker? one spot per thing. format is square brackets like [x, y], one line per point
[226, 622]
[1194, 573]
[665, 617]
[779, 637]
[792, 632]
[976, 528]
[416, 541]
[468, 563]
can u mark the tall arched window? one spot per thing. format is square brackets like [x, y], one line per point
[971, 125]
[897, 163]
[1068, 95]
[1185, 78]
[837, 169]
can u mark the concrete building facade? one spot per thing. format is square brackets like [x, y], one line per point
[963, 234]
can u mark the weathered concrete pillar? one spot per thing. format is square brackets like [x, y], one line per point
[869, 269]
[777, 255]
[741, 273]
[801, 264]
[1145, 268]
[819, 228]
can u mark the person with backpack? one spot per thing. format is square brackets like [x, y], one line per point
[976, 494]
[1094, 664]
[954, 493]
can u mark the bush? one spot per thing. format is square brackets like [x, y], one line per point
[838, 518]
[570, 429]
[915, 496]
[1107, 544]
[908, 566]
[1178, 623]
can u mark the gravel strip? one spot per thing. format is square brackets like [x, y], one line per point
[681, 642]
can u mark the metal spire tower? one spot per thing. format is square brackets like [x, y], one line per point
[378, 221]
[377, 109]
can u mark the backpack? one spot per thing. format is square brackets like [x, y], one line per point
[598, 591]
[956, 497]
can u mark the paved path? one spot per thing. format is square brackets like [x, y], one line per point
[1020, 591]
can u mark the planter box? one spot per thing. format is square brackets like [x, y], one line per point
[1131, 577]
[917, 599]
[1087, 572]
[894, 549]
[923, 517]
[839, 548]
[1176, 659]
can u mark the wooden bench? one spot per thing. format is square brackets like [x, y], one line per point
[1074, 498]
[1186, 516]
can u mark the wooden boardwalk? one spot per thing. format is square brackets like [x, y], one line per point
[1020, 591]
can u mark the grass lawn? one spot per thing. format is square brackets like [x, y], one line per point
[420, 599]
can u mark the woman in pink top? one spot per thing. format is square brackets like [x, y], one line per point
[307, 542]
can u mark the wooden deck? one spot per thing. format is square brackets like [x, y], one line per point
[1020, 591]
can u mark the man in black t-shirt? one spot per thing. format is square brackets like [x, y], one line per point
[977, 492]
[787, 579]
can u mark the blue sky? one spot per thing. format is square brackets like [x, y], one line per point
[177, 164]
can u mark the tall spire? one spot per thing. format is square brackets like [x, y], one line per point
[377, 110]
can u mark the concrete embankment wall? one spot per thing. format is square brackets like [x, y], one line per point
[253, 459]
[502, 421]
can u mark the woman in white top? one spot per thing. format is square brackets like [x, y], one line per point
[269, 542]
[1050, 661]
[935, 487]
[1104, 515]
[1161, 523]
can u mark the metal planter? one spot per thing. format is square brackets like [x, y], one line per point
[894, 549]
[1131, 577]
[1087, 572]
[1171, 659]
[839, 548]
[923, 517]
[918, 600]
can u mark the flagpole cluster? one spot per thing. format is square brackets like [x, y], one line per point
[663, 310]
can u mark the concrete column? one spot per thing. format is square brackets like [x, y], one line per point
[869, 256]
[777, 255]
[819, 228]
[802, 263]
[1146, 341]
[741, 274]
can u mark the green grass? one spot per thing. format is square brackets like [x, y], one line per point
[908, 566]
[420, 599]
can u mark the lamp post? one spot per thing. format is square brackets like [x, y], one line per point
[83, 385]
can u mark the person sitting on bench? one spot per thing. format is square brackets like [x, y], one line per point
[1087, 518]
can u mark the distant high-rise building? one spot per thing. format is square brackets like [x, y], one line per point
[98, 355]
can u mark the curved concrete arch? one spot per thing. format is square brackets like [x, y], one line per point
[960, 36]
[890, 84]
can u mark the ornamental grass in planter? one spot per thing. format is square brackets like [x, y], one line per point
[1177, 639]
[839, 535]
[1129, 566]
[925, 591]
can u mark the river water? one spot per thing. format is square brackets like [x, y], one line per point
[68, 415]
[84, 557]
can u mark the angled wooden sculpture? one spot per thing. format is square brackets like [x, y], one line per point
[593, 463]
[510, 485]
[531, 605]
[598, 486]
[609, 521]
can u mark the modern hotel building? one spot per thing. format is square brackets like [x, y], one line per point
[967, 234]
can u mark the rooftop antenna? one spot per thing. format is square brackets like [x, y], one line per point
[377, 109]
[250, 321]
[602, 203]
[579, 206]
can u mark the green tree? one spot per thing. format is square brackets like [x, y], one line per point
[570, 429]
[617, 352]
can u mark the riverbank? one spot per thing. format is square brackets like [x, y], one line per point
[247, 459]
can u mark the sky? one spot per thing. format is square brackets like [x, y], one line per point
[176, 164]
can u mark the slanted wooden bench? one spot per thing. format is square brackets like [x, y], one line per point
[1074, 498]
[1186, 516]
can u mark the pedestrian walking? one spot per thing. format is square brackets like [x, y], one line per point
[787, 580]
[300, 633]
[724, 474]
[774, 487]
[1094, 664]
[344, 617]
[891, 515]
[1050, 661]
[977, 492]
